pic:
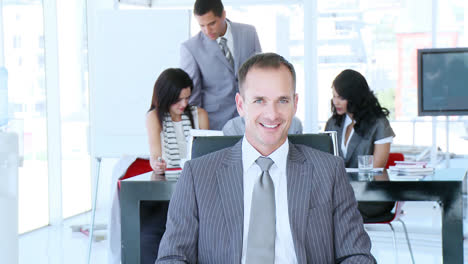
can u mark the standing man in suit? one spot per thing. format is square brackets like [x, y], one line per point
[212, 58]
[228, 207]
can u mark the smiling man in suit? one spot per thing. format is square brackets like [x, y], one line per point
[213, 57]
[265, 200]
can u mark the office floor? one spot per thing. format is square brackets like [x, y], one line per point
[60, 245]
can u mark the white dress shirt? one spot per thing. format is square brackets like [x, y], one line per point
[228, 37]
[344, 145]
[284, 245]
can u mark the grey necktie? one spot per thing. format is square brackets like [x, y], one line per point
[226, 51]
[262, 226]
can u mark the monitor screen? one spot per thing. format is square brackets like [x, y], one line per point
[443, 82]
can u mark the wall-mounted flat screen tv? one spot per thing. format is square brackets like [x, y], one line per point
[443, 82]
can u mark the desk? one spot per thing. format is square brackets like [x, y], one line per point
[444, 186]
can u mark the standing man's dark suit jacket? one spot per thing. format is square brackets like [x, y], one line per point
[205, 218]
[214, 79]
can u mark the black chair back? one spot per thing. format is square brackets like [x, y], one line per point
[204, 145]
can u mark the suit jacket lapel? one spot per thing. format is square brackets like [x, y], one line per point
[339, 135]
[237, 46]
[230, 186]
[213, 46]
[299, 179]
[352, 144]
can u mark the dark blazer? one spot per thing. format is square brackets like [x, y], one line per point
[214, 79]
[205, 219]
[359, 145]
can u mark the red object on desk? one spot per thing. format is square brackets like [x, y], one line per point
[173, 169]
[392, 157]
[140, 166]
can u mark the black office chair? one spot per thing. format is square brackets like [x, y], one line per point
[204, 145]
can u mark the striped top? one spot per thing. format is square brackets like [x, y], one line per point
[174, 136]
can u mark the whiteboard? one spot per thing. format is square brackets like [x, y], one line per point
[132, 47]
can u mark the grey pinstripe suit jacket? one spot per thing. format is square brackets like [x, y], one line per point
[214, 79]
[205, 218]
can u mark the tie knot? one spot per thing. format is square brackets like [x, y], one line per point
[223, 40]
[264, 163]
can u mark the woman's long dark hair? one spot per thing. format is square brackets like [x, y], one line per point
[362, 103]
[167, 90]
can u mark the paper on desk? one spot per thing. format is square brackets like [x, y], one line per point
[170, 174]
[396, 175]
[142, 177]
[357, 170]
[173, 172]
[399, 177]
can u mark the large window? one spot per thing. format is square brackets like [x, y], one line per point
[24, 60]
[378, 39]
[30, 96]
[74, 106]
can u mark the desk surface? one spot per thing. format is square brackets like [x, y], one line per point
[451, 174]
[444, 185]
[150, 176]
[371, 186]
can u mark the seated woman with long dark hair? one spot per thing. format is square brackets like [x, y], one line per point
[362, 128]
[170, 118]
[168, 123]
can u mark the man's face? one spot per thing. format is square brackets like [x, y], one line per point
[211, 25]
[268, 105]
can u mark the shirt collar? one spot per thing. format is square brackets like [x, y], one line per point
[347, 121]
[250, 155]
[227, 35]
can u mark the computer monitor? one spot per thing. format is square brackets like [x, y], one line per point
[443, 82]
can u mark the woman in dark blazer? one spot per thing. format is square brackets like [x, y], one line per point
[362, 128]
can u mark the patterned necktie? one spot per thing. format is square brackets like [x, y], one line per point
[262, 226]
[226, 51]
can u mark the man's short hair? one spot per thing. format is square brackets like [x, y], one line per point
[264, 61]
[202, 7]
